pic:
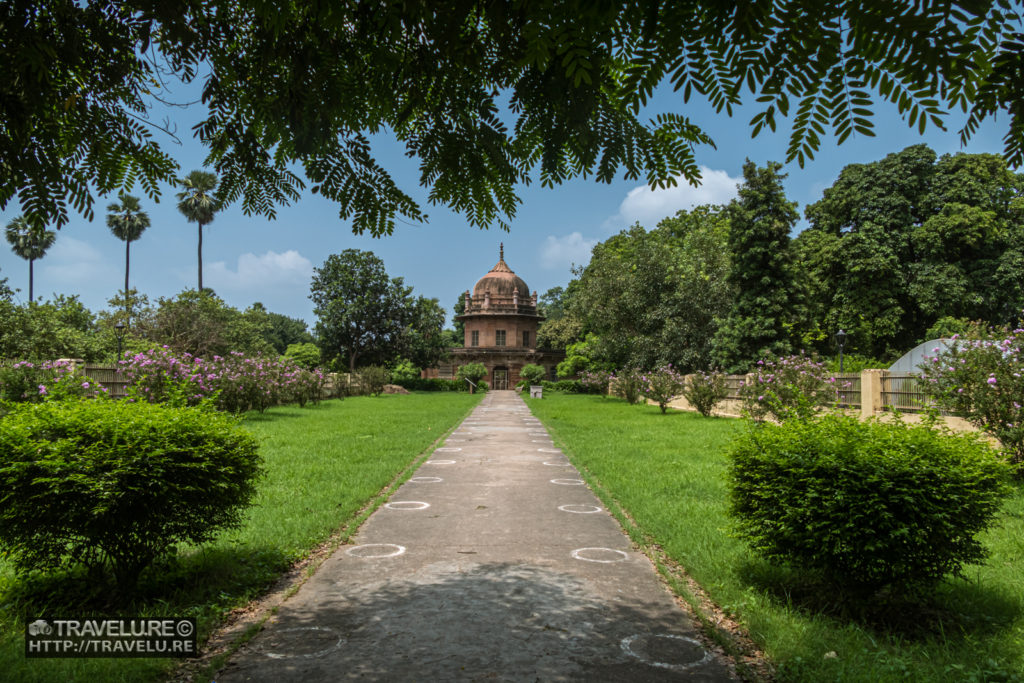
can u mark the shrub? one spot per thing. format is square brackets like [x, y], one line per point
[372, 379]
[704, 390]
[304, 354]
[474, 372]
[982, 378]
[27, 382]
[565, 386]
[235, 382]
[787, 387]
[403, 370]
[115, 485]
[595, 381]
[627, 384]
[662, 385]
[483, 386]
[534, 374]
[867, 504]
[432, 384]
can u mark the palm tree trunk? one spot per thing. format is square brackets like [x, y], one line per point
[200, 258]
[30, 262]
[127, 299]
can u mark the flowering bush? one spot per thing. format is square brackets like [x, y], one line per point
[235, 382]
[704, 390]
[627, 384]
[982, 378]
[662, 385]
[787, 387]
[596, 381]
[27, 382]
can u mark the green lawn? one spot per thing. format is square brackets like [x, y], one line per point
[324, 465]
[666, 473]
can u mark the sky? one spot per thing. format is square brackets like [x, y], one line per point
[250, 258]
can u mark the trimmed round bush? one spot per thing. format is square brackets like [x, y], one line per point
[116, 484]
[867, 504]
[533, 374]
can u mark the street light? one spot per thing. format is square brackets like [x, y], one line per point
[119, 330]
[841, 340]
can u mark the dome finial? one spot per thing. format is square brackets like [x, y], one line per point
[501, 251]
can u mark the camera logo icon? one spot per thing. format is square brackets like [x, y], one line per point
[39, 627]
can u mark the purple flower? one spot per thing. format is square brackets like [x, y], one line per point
[42, 390]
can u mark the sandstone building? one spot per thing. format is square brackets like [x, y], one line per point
[501, 322]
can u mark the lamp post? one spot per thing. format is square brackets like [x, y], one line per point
[119, 330]
[840, 340]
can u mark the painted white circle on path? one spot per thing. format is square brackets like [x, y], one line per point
[375, 550]
[564, 463]
[323, 632]
[439, 462]
[567, 482]
[407, 505]
[426, 480]
[580, 508]
[451, 449]
[549, 450]
[602, 555]
[627, 647]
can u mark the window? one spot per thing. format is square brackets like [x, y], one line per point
[499, 337]
[474, 338]
[526, 338]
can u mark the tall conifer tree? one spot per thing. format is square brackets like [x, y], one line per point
[761, 219]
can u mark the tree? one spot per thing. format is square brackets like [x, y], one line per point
[760, 220]
[649, 298]
[291, 85]
[200, 323]
[280, 331]
[30, 243]
[127, 221]
[362, 313]
[552, 304]
[460, 326]
[898, 244]
[198, 204]
[424, 344]
[48, 330]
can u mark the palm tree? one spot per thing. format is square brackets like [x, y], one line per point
[198, 205]
[30, 243]
[127, 221]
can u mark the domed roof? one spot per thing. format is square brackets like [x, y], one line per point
[500, 282]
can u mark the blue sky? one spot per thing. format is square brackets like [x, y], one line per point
[250, 258]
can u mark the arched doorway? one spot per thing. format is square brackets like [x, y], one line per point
[499, 378]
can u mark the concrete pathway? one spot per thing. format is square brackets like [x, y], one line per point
[493, 562]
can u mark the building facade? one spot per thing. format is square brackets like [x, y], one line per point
[501, 321]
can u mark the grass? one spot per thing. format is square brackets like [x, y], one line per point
[324, 465]
[666, 475]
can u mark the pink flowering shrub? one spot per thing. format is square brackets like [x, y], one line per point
[28, 382]
[596, 381]
[704, 390]
[234, 383]
[628, 384]
[788, 387]
[661, 385]
[981, 377]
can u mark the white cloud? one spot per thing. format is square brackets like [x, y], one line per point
[265, 273]
[562, 252]
[648, 206]
[72, 262]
